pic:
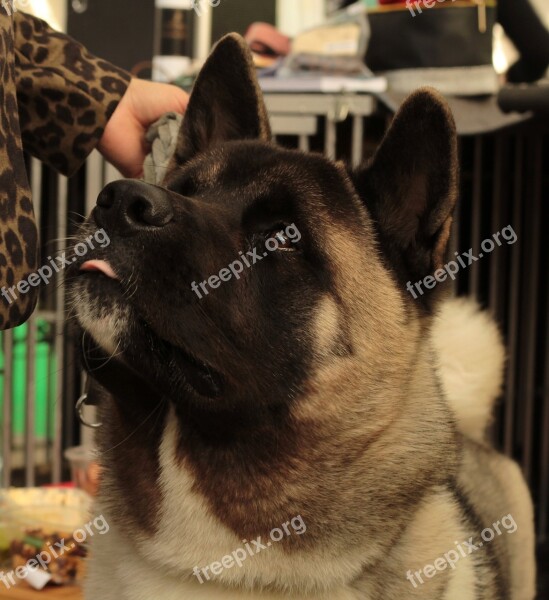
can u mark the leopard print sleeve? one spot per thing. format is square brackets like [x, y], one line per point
[65, 94]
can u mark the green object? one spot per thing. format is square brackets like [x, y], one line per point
[45, 366]
[32, 541]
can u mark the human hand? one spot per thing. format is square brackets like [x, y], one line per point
[123, 142]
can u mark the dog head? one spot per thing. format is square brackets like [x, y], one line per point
[255, 274]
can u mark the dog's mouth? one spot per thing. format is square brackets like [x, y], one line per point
[142, 343]
[202, 377]
[98, 266]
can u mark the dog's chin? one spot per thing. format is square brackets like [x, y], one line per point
[101, 312]
[115, 328]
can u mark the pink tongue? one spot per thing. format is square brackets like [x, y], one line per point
[101, 266]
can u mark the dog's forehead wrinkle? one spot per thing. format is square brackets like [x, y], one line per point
[271, 173]
[274, 162]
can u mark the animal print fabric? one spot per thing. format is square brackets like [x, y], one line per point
[55, 100]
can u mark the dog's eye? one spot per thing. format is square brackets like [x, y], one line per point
[279, 239]
[284, 242]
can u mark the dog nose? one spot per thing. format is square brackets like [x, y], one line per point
[128, 206]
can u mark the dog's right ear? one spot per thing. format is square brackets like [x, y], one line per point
[226, 102]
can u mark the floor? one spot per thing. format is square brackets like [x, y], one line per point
[23, 592]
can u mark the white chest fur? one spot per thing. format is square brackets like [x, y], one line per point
[117, 574]
[189, 535]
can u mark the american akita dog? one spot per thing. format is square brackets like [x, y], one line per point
[307, 393]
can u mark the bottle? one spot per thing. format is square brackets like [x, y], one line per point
[174, 26]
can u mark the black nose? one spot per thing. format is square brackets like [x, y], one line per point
[130, 206]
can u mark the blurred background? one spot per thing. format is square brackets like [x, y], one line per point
[504, 180]
[290, 16]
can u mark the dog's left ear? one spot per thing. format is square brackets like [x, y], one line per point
[226, 102]
[410, 187]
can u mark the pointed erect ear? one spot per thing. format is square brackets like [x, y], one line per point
[226, 102]
[410, 187]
